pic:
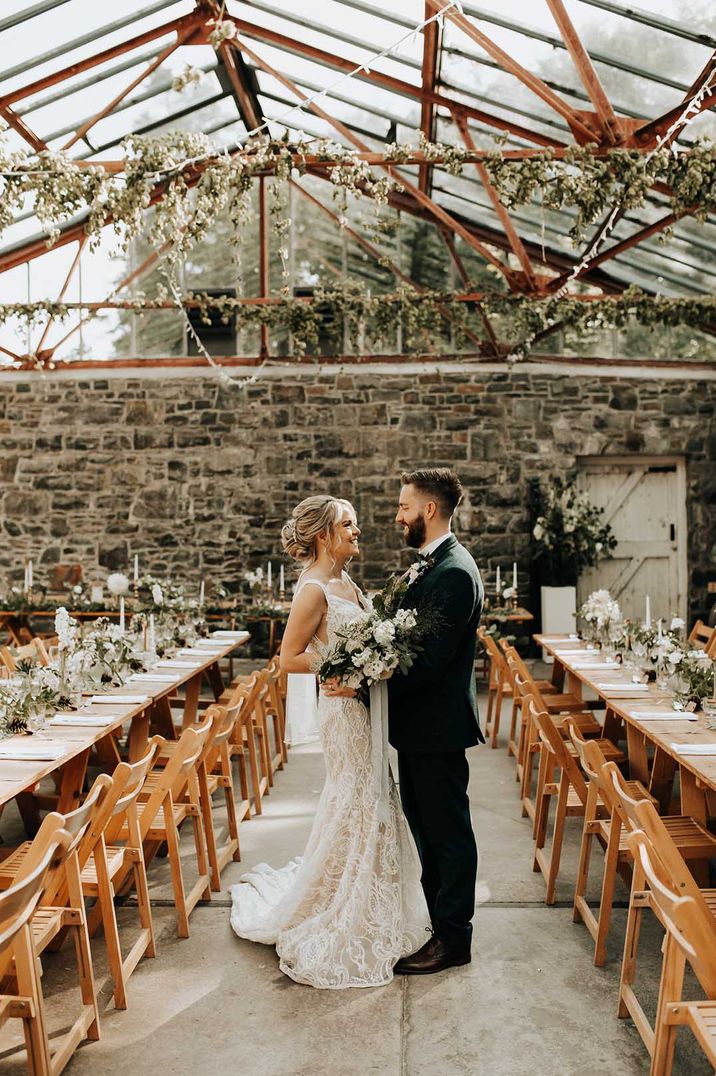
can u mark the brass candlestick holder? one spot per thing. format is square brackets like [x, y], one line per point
[514, 600]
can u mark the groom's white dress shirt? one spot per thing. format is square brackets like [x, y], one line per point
[429, 549]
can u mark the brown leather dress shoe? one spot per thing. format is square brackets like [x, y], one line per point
[434, 956]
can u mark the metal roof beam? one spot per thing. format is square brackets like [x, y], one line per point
[431, 60]
[558, 43]
[585, 68]
[86, 39]
[19, 17]
[656, 22]
[97, 58]
[388, 82]
[582, 129]
[85, 83]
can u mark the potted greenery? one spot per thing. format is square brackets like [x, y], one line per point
[568, 536]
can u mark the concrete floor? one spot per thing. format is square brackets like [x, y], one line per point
[530, 1003]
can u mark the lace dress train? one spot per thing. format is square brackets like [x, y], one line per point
[343, 913]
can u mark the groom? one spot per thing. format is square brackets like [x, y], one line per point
[433, 718]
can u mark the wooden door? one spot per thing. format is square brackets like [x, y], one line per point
[644, 500]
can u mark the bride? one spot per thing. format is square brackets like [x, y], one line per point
[345, 912]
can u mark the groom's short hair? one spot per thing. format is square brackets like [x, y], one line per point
[440, 484]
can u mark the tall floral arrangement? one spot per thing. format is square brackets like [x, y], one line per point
[569, 534]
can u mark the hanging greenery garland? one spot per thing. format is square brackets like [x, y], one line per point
[372, 320]
[592, 185]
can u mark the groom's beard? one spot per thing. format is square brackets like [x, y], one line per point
[415, 534]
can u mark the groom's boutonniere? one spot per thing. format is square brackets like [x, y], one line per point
[390, 597]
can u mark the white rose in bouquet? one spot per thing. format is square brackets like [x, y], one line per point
[384, 633]
[157, 596]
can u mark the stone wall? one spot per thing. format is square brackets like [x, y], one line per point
[197, 477]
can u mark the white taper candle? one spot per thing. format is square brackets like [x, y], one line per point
[647, 615]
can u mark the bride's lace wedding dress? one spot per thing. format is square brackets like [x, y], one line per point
[343, 913]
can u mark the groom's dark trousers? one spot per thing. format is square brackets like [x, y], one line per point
[433, 719]
[433, 791]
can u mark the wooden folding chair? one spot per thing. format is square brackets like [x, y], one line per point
[277, 710]
[169, 796]
[560, 706]
[498, 684]
[215, 773]
[545, 687]
[570, 793]
[609, 833]
[33, 651]
[62, 909]
[18, 958]
[249, 735]
[679, 840]
[703, 637]
[109, 860]
[690, 927]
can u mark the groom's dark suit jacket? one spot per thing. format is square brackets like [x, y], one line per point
[433, 707]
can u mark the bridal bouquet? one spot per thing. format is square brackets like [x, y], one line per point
[372, 649]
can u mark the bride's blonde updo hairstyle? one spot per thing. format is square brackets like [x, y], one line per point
[313, 516]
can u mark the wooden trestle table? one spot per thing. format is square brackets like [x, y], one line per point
[74, 743]
[652, 759]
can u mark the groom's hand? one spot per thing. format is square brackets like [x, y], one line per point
[334, 689]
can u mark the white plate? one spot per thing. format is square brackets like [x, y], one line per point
[664, 715]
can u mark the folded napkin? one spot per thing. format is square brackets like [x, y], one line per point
[595, 665]
[619, 688]
[34, 752]
[172, 663]
[162, 677]
[113, 700]
[663, 715]
[84, 719]
[203, 652]
[230, 635]
[566, 650]
[694, 748]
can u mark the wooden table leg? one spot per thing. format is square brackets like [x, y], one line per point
[573, 685]
[662, 778]
[73, 775]
[139, 735]
[161, 715]
[613, 726]
[213, 675]
[638, 758]
[558, 675]
[693, 796]
[191, 701]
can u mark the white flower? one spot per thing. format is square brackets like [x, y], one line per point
[362, 658]
[65, 629]
[405, 619]
[384, 632]
[77, 589]
[538, 531]
[117, 583]
[677, 624]
[675, 657]
[374, 669]
[508, 592]
[157, 596]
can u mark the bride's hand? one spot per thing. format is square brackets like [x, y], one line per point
[335, 690]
